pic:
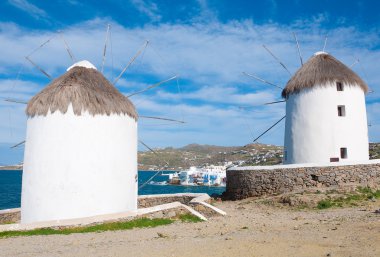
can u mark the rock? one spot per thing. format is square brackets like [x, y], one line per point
[157, 215]
[172, 214]
[161, 235]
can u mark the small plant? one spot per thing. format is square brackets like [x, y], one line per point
[189, 218]
[324, 204]
[361, 194]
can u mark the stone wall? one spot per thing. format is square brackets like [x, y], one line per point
[243, 182]
[144, 201]
[152, 200]
[11, 216]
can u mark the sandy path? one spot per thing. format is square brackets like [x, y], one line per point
[248, 230]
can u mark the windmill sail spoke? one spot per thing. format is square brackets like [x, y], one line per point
[42, 45]
[154, 152]
[152, 86]
[266, 131]
[16, 145]
[160, 118]
[278, 60]
[105, 46]
[261, 80]
[131, 61]
[298, 48]
[276, 102]
[150, 149]
[15, 101]
[354, 63]
[38, 67]
[72, 57]
[258, 105]
[324, 46]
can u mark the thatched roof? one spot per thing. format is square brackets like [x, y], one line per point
[86, 89]
[320, 70]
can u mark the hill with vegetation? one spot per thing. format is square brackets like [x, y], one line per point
[201, 155]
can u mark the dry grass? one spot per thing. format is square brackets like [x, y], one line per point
[87, 90]
[322, 70]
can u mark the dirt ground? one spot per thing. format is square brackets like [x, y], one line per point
[249, 229]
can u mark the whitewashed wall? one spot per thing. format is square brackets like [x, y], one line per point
[78, 166]
[314, 132]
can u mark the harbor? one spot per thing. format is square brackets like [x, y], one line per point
[10, 187]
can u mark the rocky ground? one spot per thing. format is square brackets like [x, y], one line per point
[287, 225]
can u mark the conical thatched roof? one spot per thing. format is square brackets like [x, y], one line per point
[320, 70]
[86, 89]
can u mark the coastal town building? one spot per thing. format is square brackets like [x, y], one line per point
[81, 149]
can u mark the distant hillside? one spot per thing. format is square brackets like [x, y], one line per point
[199, 155]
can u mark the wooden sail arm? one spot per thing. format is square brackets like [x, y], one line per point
[298, 48]
[105, 46]
[160, 118]
[266, 131]
[15, 101]
[275, 102]
[278, 60]
[18, 144]
[38, 67]
[262, 80]
[131, 61]
[152, 86]
[150, 149]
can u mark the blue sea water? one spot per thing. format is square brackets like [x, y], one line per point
[10, 187]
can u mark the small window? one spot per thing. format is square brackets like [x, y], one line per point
[341, 110]
[334, 159]
[286, 155]
[339, 86]
[343, 153]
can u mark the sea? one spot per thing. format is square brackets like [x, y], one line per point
[10, 187]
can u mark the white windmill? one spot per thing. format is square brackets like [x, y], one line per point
[80, 154]
[326, 118]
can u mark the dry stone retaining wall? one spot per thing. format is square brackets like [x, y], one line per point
[247, 182]
[144, 201]
[11, 216]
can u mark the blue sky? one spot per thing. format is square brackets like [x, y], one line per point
[209, 43]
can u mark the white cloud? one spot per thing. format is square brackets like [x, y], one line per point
[148, 8]
[210, 58]
[223, 94]
[31, 9]
[206, 14]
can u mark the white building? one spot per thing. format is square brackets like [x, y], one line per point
[326, 117]
[81, 149]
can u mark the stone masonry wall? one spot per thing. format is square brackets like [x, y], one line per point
[11, 216]
[248, 183]
[143, 202]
